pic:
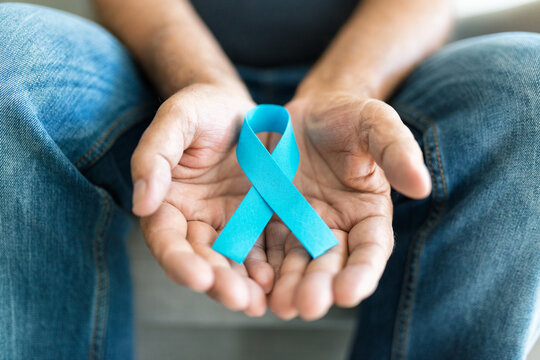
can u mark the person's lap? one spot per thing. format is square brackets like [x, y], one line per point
[463, 275]
[72, 106]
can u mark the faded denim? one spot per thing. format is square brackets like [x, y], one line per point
[464, 279]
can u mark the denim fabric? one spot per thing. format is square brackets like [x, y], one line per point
[464, 279]
[72, 107]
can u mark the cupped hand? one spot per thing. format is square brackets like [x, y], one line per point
[352, 150]
[187, 183]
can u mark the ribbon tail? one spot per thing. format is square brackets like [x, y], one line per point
[244, 227]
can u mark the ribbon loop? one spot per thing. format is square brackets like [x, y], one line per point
[273, 191]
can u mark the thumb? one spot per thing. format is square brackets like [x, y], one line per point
[395, 150]
[158, 152]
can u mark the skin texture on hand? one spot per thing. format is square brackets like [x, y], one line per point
[349, 148]
[187, 182]
[192, 184]
[187, 185]
[353, 148]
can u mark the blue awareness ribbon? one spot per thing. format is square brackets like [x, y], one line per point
[273, 191]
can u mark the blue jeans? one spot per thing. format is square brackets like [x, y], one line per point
[463, 281]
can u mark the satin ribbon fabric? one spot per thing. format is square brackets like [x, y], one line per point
[273, 191]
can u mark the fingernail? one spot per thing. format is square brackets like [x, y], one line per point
[139, 188]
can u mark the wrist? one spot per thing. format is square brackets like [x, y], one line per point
[173, 81]
[217, 93]
[230, 85]
[317, 83]
[173, 63]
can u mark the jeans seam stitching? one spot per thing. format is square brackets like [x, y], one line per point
[91, 156]
[106, 146]
[398, 341]
[101, 301]
[411, 271]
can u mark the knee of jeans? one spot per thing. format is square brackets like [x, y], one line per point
[37, 42]
[509, 57]
[503, 65]
[483, 93]
[30, 32]
[497, 75]
[499, 65]
[68, 74]
[47, 48]
[502, 71]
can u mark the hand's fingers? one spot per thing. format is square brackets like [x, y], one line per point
[159, 150]
[296, 259]
[257, 304]
[314, 295]
[394, 148]
[370, 245]
[275, 237]
[198, 202]
[230, 289]
[230, 285]
[258, 267]
[165, 234]
[275, 234]
[257, 296]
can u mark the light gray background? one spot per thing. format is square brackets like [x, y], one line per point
[174, 323]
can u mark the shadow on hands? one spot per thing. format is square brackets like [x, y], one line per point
[351, 150]
[187, 184]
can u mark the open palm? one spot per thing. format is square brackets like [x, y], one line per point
[200, 188]
[342, 156]
[351, 150]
